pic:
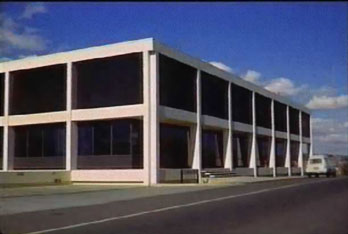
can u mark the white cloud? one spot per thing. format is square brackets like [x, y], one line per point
[252, 76]
[326, 103]
[284, 86]
[16, 36]
[222, 66]
[33, 9]
[330, 136]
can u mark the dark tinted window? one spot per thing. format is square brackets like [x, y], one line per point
[263, 111]
[173, 146]
[294, 121]
[241, 104]
[305, 125]
[111, 81]
[38, 90]
[44, 140]
[2, 92]
[280, 116]
[108, 144]
[212, 149]
[177, 84]
[214, 96]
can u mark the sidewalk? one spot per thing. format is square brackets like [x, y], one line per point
[28, 199]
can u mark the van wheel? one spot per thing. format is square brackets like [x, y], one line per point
[316, 175]
[309, 175]
[328, 175]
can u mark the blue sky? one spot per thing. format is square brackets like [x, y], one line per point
[296, 49]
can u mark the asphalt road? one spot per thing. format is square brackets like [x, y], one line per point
[289, 206]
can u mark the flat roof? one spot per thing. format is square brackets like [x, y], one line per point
[147, 44]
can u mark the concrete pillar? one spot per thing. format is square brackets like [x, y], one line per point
[300, 151]
[197, 153]
[288, 146]
[71, 128]
[146, 119]
[254, 151]
[154, 118]
[6, 157]
[229, 140]
[272, 157]
[311, 137]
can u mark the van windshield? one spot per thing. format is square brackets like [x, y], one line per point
[315, 161]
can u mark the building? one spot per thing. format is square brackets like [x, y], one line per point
[142, 112]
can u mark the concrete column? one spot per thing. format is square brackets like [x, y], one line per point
[154, 118]
[146, 119]
[254, 151]
[71, 128]
[229, 147]
[300, 151]
[272, 158]
[7, 163]
[197, 153]
[288, 146]
[311, 137]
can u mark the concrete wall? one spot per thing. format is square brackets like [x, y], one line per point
[33, 177]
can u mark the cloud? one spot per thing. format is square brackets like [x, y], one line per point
[330, 136]
[252, 76]
[16, 36]
[284, 86]
[222, 66]
[33, 9]
[326, 103]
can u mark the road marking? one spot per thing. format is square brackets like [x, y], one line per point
[173, 207]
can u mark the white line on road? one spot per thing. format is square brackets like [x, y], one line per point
[172, 208]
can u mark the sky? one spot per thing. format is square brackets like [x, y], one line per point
[297, 50]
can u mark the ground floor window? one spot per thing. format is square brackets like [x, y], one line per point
[241, 149]
[305, 151]
[212, 149]
[280, 152]
[174, 146]
[110, 144]
[294, 151]
[264, 148]
[1, 144]
[39, 146]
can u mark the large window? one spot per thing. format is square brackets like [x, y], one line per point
[280, 116]
[280, 152]
[212, 149]
[241, 149]
[174, 142]
[177, 84]
[294, 121]
[264, 147]
[305, 125]
[241, 104]
[39, 146]
[38, 90]
[2, 93]
[294, 151]
[214, 96]
[1, 144]
[263, 111]
[110, 144]
[112, 81]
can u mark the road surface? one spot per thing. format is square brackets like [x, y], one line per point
[314, 206]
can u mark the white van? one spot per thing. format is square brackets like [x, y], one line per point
[320, 165]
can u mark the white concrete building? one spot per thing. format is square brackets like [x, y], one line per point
[141, 112]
